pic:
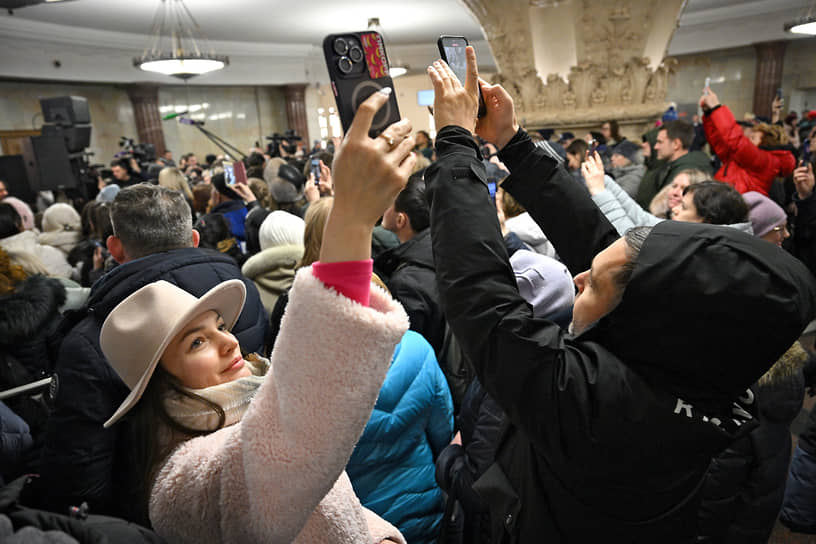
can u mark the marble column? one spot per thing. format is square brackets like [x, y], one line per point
[145, 101]
[769, 59]
[296, 110]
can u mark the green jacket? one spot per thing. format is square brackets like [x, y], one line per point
[657, 179]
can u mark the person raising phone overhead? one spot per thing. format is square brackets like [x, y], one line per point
[612, 427]
[251, 450]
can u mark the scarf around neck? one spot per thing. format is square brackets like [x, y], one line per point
[233, 397]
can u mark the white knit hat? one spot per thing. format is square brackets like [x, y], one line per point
[543, 282]
[281, 228]
[61, 216]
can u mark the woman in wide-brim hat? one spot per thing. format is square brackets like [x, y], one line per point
[243, 449]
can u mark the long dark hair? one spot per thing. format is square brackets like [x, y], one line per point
[151, 435]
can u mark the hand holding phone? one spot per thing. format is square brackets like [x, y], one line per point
[229, 172]
[452, 51]
[315, 168]
[358, 67]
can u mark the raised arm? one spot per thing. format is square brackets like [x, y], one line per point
[262, 478]
[515, 355]
[618, 207]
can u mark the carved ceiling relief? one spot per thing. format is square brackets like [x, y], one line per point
[611, 80]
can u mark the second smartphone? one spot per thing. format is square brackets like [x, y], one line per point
[452, 51]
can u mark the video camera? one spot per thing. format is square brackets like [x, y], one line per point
[285, 141]
[143, 153]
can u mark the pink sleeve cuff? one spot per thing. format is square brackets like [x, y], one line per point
[352, 279]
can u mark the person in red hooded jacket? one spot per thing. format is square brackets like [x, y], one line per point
[748, 164]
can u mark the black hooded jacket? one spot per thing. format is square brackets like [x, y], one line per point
[408, 271]
[611, 431]
[29, 317]
[745, 484]
[80, 460]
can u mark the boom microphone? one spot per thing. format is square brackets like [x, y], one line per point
[174, 115]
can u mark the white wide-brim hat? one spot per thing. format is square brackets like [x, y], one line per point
[138, 329]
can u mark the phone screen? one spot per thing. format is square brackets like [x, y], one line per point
[452, 50]
[805, 153]
[491, 188]
[229, 173]
[316, 170]
[707, 85]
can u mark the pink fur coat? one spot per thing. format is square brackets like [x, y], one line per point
[277, 475]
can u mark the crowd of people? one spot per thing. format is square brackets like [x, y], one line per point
[494, 336]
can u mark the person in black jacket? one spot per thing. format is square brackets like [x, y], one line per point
[153, 240]
[745, 484]
[803, 241]
[613, 427]
[408, 269]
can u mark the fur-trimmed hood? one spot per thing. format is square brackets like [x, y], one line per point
[24, 312]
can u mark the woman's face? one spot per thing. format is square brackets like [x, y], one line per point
[204, 354]
[777, 234]
[675, 194]
[686, 210]
[756, 137]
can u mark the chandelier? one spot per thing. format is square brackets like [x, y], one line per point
[175, 47]
[805, 24]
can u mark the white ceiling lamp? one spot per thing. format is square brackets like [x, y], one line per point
[393, 71]
[805, 24]
[176, 45]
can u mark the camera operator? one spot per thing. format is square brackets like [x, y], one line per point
[126, 172]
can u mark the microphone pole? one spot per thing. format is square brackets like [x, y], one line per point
[222, 144]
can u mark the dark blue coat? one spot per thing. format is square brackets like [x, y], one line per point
[392, 467]
[15, 440]
[80, 460]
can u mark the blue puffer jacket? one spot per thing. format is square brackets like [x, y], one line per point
[392, 467]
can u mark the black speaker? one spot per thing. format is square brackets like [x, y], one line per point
[13, 173]
[66, 110]
[47, 163]
[76, 138]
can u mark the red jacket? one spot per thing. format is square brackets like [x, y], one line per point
[744, 166]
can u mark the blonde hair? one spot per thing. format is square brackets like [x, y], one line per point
[772, 135]
[315, 219]
[172, 178]
[261, 191]
[659, 205]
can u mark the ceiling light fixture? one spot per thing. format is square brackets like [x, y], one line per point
[806, 24]
[174, 49]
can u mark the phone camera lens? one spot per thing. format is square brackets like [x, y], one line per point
[340, 46]
[344, 65]
[355, 54]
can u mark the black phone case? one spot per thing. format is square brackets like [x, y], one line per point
[441, 46]
[361, 79]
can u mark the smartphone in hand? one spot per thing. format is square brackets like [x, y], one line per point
[707, 86]
[229, 172]
[358, 67]
[315, 166]
[452, 51]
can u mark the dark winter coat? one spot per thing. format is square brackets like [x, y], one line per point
[745, 484]
[15, 442]
[745, 166]
[654, 180]
[81, 459]
[799, 505]
[607, 442]
[408, 271]
[29, 318]
[480, 421]
[803, 241]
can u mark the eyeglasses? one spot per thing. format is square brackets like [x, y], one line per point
[780, 230]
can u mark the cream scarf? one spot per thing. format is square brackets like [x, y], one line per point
[233, 397]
